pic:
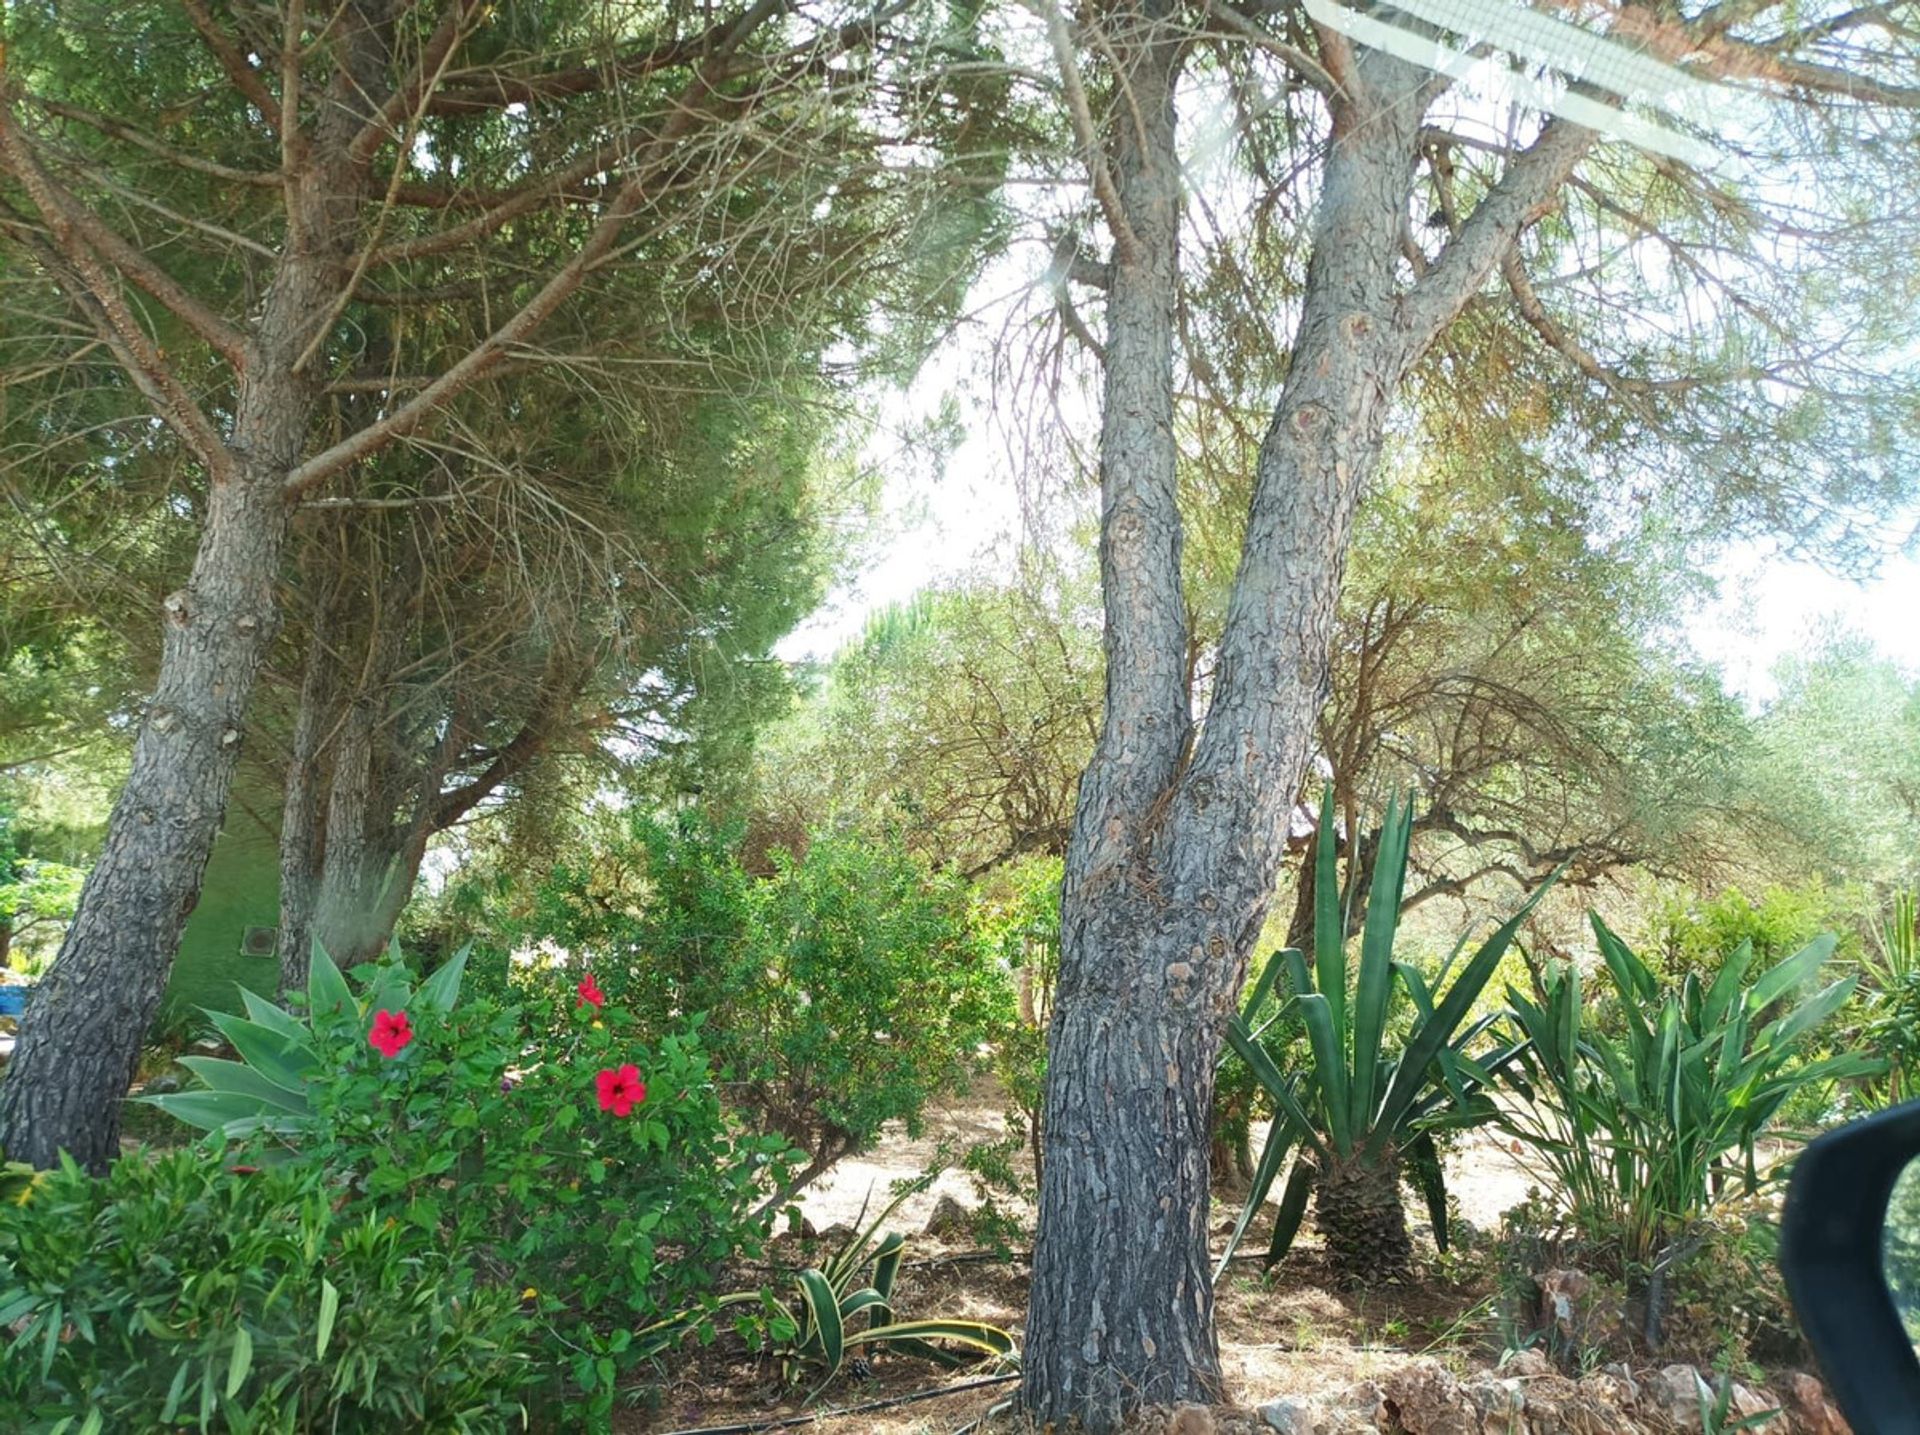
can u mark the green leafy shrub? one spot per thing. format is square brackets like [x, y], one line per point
[837, 993]
[1641, 1135]
[1693, 934]
[495, 1129]
[1363, 1107]
[1017, 914]
[178, 1290]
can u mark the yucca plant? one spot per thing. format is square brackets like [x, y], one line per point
[1893, 1023]
[266, 1089]
[1367, 1106]
[840, 1310]
[1641, 1132]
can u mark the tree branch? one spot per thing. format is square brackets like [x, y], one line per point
[76, 228]
[490, 351]
[240, 70]
[138, 358]
[1126, 243]
[1519, 198]
[140, 139]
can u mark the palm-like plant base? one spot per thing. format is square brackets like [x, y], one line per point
[1359, 1215]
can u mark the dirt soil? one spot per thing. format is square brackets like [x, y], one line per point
[1290, 1335]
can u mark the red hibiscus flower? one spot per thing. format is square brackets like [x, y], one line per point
[391, 1032]
[622, 1090]
[590, 993]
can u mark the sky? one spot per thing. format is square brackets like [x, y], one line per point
[966, 518]
[941, 527]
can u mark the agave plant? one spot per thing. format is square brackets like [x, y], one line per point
[1641, 1132]
[844, 1308]
[1366, 1109]
[266, 1089]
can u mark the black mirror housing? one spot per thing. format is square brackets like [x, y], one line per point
[1831, 1256]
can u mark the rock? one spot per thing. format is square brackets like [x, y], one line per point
[1809, 1408]
[1291, 1416]
[1502, 1404]
[1559, 1406]
[164, 1084]
[1425, 1399]
[1365, 1403]
[1563, 1300]
[1626, 1390]
[1750, 1405]
[1672, 1396]
[949, 1218]
[1528, 1364]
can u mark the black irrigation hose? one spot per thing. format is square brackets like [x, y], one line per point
[786, 1422]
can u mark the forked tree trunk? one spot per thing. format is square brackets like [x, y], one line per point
[1177, 839]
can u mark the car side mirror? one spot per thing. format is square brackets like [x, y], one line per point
[1850, 1252]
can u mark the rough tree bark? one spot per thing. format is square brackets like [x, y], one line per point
[1179, 834]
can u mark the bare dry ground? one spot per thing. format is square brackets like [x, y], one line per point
[1290, 1335]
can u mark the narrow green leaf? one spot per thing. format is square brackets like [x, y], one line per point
[240, 1362]
[1329, 927]
[823, 1316]
[1374, 986]
[1330, 1070]
[1273, 1083]
[329, 1309]
[242, 1080]
[1795, 971]
[1430, 1036]
[1293, 1210]
[1273, 1155]
[280, 1059]
[989, 1339]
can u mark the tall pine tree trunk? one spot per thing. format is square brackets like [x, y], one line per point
[81, 1036]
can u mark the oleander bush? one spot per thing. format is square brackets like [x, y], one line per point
[189, 1289]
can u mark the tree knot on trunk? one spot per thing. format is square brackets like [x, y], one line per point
[174, 607]
[1357, 327]
[1309, 417]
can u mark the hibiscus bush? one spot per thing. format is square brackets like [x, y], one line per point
[192, 1290]
[576, 1160]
